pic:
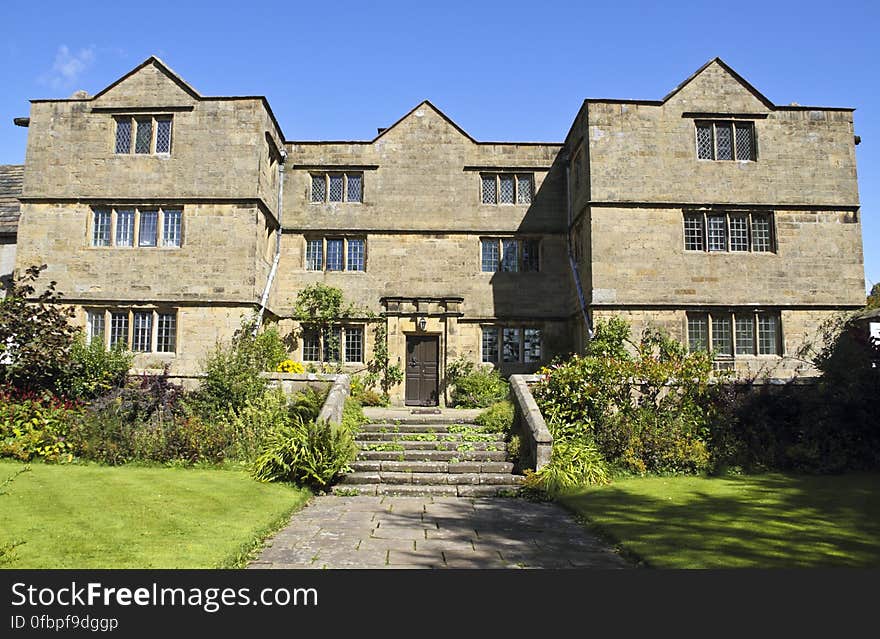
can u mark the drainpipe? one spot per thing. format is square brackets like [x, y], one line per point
[277, 257]
[571, 261]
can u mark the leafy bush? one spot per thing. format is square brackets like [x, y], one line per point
[573, 462]
[308, 453]
[646, 408]
[290, 366]
[232, 372]
[353, 416]
[498, 417]
[93, 370]
[258, 418]
[473, 386]
[307, 403]
[365, 396]
[33, 425]
[35, 334]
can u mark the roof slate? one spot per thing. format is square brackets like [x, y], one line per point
[10, 188]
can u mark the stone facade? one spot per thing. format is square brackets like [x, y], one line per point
[408, 212]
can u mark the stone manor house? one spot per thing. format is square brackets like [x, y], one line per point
[165, 216]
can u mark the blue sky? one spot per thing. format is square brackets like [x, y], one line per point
[502, 70]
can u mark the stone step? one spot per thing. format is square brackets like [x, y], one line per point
[430, 437]
[377, 466]
[384, 427]
[432, 455]
[397, 477]
[414, 490]
[403, 446]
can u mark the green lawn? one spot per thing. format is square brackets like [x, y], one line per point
[135, 517]
[761, 521]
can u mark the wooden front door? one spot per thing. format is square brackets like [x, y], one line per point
[422, 365]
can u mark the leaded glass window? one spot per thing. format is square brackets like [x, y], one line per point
[144, 136]
[119, 329]
[311, 346]
[489, 255]
[314, 255]
[745, 334]
[490, 344]
[123, 135]
[693, 232]
[705, 141]
[722, 341]
[95, 326]
[335, 190]
[335, 256]
[530, 255]
[523, 189]
[768, 334]
[148, 228]
[171, 227]
[761, 237]
[355, 260]
[717, 232]
[142, 337]
[510, 345]
[698, 332]
[101, 227]
[739, 232]
[163, 135]
[331, 343]
[724, 141]
[507, 191]
[509, 256]
[489, 190]
[166, 332]
[745, 141]
[354, 344]
[319, 188]
[354, 182]
[125, 227]
[532, 345]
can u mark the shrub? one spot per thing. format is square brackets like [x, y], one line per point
[353, 416]
[258, 418]
[573, 462]
[365, 396]
[475, 387]
[308, 453]
[307, 403]
[498, 417]
[290, 366]
[35, 334]
[93, 370]
[232, 372]
[646, 408]
[33, 425]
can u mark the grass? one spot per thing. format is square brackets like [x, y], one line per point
[760, 521]
[73, 516]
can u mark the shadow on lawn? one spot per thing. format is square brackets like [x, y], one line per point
[750, 521]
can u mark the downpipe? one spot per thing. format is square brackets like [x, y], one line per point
[269, 280]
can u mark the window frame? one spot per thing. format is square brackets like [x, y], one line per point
[346, 262]
[346, 176]
[518, 177]
[501, 330]
[342, 332]
[734, 317]
[734, 124]
[502, 266]
[703, 217]
[133, 120]
[135, 233]
[127, 315]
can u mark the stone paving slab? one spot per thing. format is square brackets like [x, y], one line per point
[434, 532]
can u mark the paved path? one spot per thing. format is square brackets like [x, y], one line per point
[439, 532]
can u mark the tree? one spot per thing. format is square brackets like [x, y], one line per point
[321, 308]
[35, 333]
[874, 297]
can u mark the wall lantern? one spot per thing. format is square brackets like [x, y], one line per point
[422, 323]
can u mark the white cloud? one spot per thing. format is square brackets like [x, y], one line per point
[68, 67]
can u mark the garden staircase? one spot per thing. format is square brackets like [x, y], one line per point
[430, 455]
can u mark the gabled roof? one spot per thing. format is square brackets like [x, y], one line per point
[164, 68]
[445, 117]
[438, 111]
[10, 188]
[736, 76]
